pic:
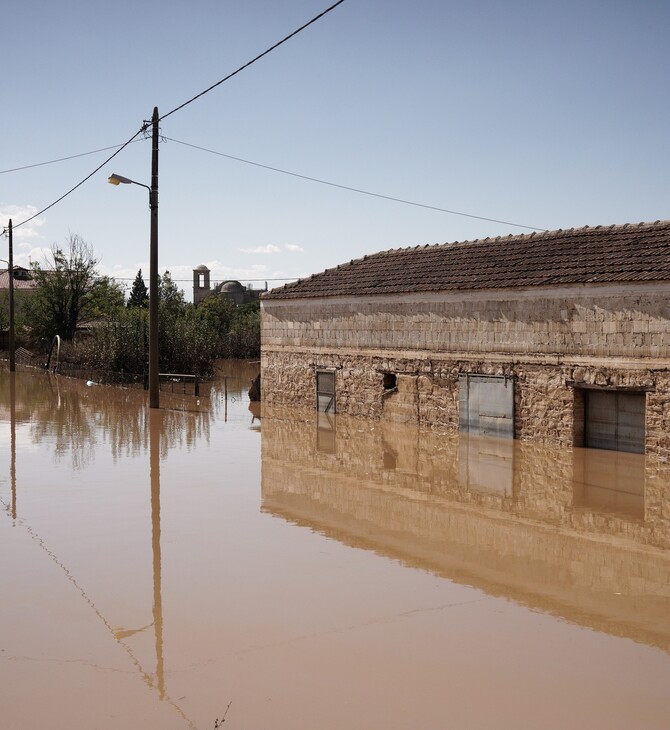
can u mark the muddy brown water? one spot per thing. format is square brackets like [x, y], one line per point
[310, 571]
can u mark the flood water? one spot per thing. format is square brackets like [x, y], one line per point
[309, 571]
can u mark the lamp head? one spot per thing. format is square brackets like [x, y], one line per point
[115, 179]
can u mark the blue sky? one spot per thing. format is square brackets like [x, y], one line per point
[549, 115]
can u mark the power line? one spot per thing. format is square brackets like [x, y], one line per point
[253, 60]
[79, 184]
[355, 190]
[62, 159]
[181, 106]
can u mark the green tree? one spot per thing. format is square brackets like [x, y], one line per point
[244, 337]
[106, 296]
[139, 295]
[4, 310]
[217, 312]
[69, 291]
[170, 297]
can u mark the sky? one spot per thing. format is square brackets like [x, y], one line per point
[539, 114]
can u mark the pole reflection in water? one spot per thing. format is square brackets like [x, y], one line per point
[12, 439]
[166, 562]
[69, 420]
[155, 431]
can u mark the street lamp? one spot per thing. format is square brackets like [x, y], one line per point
[114, 179]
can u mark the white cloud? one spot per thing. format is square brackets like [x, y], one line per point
[293, 247]
[270, 248]
[28, 254]
[18, 214]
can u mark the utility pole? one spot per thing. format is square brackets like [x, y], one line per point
[154, 383]
[12, 355]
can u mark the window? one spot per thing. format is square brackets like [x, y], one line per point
[486, 405]
[614, 420]
[390, 381]
[325, 391]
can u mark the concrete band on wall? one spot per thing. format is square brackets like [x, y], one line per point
[603, 320]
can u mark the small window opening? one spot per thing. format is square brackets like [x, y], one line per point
[390, 381]
[325, 391]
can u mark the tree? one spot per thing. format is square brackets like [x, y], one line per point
[105, 297]
[139, 295]
[244, 336]
[69, 291]
[218, 313]
[4, 309]
[170, 298]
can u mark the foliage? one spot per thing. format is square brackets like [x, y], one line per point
[4, 310]
[187, 343]
[105, 297]
[190, 338]
[170, 298]
[244, 337]
[218, 311]
[119, 344]
[20, 298]
[139, 294]
[69, 291]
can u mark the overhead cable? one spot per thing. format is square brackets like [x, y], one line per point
[356, 190]
[181, 106]
[81, 182]
[253, 60]
[62, 159]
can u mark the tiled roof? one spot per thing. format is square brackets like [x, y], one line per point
[20, 282]
[627, 253]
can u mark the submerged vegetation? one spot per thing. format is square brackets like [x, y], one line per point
[103, 332]
[190, 338]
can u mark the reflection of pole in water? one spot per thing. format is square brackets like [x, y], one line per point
[12, 440]
[155, 429]
[225, 393]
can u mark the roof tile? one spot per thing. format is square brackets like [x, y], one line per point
[601, 254]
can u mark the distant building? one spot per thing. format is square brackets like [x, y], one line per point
[561, 336]
[230, 289]
[23, 279]
[24, 285]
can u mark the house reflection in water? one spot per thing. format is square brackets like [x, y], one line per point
[581, 534]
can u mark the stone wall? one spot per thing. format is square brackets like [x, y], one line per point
[548, 405]
[596, 320]
[552, 343]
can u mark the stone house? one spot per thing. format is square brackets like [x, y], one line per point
[559, 337]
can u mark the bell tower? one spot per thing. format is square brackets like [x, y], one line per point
[201, 288]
